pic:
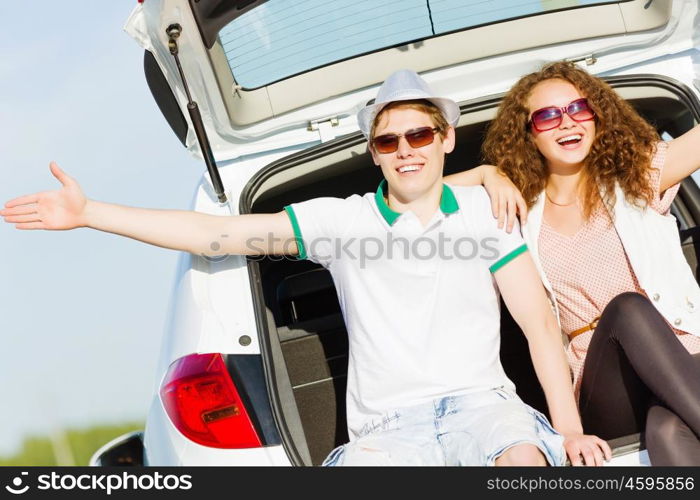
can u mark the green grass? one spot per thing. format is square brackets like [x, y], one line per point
[70, 447]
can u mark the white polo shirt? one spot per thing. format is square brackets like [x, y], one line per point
[420, 303]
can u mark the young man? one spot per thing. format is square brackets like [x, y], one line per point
[413, 266]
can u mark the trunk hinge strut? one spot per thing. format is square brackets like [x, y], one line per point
[173, 31]
[589, 59]
[324, 128]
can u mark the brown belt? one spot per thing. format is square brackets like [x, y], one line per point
[590, 326]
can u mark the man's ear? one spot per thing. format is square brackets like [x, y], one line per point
[371, 150]
[448, 143]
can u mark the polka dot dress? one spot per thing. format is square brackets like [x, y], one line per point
[590, 268]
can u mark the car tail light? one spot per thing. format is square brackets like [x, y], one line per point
[203, 403]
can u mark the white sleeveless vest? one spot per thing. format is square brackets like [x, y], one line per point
[653, 247]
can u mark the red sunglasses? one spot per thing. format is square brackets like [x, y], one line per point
[552, 116]
[417, 138]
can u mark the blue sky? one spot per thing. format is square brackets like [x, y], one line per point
[82, 311]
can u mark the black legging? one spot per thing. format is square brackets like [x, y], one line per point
[636, 375]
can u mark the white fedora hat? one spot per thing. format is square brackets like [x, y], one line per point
[405, 85]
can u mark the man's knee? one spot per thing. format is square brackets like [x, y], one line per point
[521, 454]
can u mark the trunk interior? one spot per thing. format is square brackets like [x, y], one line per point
[305, 341]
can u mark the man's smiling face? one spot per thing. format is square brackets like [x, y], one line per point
[411, 172]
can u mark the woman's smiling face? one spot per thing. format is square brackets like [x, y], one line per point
[567, 145]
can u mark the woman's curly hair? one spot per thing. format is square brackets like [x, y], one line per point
[622, 149]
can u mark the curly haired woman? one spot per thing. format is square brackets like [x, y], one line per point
[599, 183]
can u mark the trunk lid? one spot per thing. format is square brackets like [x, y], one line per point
[272, 75]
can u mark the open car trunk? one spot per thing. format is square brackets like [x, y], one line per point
[303, 336]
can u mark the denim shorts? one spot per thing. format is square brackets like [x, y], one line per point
[469, 429]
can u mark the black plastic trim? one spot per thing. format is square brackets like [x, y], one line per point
[127, 452]
[248, 375]
[164, 97]
[690, 194]
[680, 89]
[268, 368]
[212, 15]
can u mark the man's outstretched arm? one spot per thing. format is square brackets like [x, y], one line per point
[525, 297]
[189, 231]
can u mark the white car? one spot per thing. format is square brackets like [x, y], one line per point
[254, 358]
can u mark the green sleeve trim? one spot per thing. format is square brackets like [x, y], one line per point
[505, 260]
[297, 231]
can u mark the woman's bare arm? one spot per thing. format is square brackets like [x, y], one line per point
[506, 201]
[682, 158]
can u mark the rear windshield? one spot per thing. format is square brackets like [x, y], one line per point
[281, 38]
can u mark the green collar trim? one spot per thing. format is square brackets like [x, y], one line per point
[389, 215]
[448, 202]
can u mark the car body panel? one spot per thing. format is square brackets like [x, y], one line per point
[165, 446]
[632, 459]
[211, 302]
